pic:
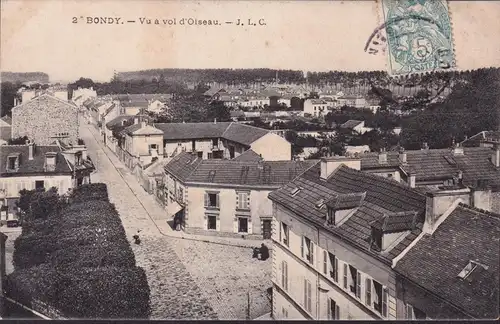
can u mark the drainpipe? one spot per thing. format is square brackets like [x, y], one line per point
[318, 292]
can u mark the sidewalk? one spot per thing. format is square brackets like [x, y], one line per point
[155, 212]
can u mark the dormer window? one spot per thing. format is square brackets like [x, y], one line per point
[50, 161]
[78, 158]
[469, 268]
[295, 191]
[320, 203]
[12, 163]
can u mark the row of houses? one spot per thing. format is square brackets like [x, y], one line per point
[53, 156]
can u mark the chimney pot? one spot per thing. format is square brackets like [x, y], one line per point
[495, 158]
[31, 149]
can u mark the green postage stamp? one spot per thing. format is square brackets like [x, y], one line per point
[419, 36]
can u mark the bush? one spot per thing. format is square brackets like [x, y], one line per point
[32, 250]
[87, 192]
[94, 256]
[104, 293]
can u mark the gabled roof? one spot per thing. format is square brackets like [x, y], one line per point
[188, 168]
[235, 132]
[382, 197]
[467, 234]
[435, 164]
[350, 124]
[248, 155]
[6, 119]
[36, 165]
[45, 95]
[137, 129]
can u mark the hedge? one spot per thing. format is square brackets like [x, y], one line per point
[104, 293]
[90, 293]
[32, 250]
[87, 192]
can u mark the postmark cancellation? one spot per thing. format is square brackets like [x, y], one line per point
[418, 35]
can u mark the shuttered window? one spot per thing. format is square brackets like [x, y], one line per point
[358, 284]
[325, 262]
[212, 199]
[368, 295]
[307, 295]
[243, 200]
[284, 275]
[385, 296]
[345, 275]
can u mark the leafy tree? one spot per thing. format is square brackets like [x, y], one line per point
[8, 92]
[217, 110]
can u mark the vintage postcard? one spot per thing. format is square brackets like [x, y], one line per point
[249, 160]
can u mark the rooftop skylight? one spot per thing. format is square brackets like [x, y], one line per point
[471, 266]
[295, 191]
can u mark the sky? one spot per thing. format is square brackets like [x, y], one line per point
[38, 35]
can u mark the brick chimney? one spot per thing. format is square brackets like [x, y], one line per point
[136, 120]
[458, 149]
[31, 149]
[402, 155]
[382, 156]
[330, 164]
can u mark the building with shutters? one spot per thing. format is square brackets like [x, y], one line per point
[338, 234]
[224, 197]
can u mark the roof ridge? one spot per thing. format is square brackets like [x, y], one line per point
[480, 210]
[377, 177]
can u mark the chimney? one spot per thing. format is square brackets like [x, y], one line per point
[31, 148]
[481, 195]
[438, 202]
[495, 157]
[402, 155]
[215, 120]
[382, 156]
[425, 146]
[330, 164]
[143, 123]
[458, 150]
[136, 120]
[411, 180]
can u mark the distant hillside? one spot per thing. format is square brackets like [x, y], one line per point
[24, 77]
[214, 75]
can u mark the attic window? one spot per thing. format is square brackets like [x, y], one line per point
[471, 266]
[320, 203]
[295, 191]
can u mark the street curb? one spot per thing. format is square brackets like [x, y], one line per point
[184, 236]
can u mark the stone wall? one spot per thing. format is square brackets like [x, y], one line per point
[43, 118]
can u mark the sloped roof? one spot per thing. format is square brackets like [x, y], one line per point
[436, 260]
[6, 119]
[235, 132]
[351, 123]
[189, 168]
[248, 155]
[434, 164]
[137, 129]
[482, 136]
[382, 197]
[395, 222]
[36, 165]
[45, 95]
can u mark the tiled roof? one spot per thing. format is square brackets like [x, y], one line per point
[189, 168]
[7, 119]
[346, 201]
[248, 155]
[137, 129]
[435, 164]
[351, 123]
[118, 120]
[482, 136]
[317, 101]
[109, 109]
[436, 260]
[36, 165]
[383, 197]
[235, 132]
[396, 222]
[136, 103]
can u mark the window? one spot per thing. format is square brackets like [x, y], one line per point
[331, 216]
[308, 249]
[242, 225]
[12, 162]
[334, 267]
[284, 234]
[39, 184]
[212, 200]
[78, 158]
[212, 222]
[380, 298]
[243, 200]
[200, 155]
[210, 155]
[333, 310]
[181, 194]
[354, 281]
[368, 295]
[153, 146]
[284, 275]
[414, 313]
[215, 142]
[193, 145]
[307, 295]
[325, 262]
[284, 311]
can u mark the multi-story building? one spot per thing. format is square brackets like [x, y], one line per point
[316, 107]
[337, 234]
[452, 270]
[225, 197]
[34, 166]
[142, 143]
[44, 119]
[223, 140]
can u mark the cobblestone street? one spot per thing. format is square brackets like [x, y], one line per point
[188, 279]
